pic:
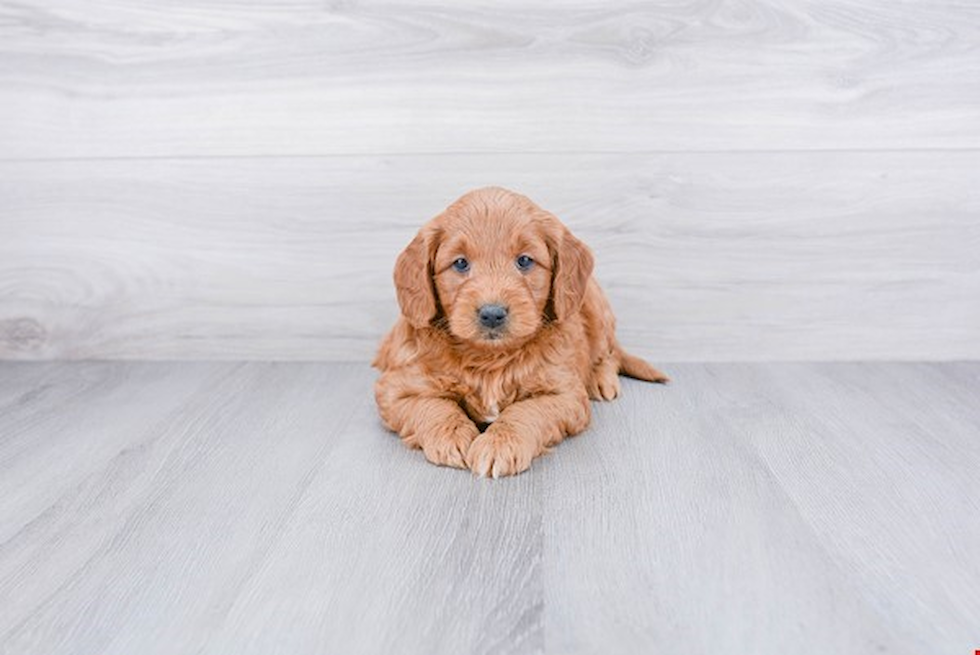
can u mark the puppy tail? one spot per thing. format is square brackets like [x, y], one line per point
[635, 367]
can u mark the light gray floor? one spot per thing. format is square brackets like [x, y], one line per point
[261, 508]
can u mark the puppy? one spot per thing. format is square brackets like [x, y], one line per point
[503, 339]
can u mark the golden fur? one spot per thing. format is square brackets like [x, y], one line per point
[444, 375]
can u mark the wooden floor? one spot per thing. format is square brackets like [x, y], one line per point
[261, 508]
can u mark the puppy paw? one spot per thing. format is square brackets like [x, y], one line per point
[604, 384]
[500, 451]
[609, 387]
[447, 445]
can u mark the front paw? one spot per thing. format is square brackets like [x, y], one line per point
[447, 444]
[500, 451]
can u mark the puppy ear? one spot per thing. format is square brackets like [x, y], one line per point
[573, 264]
[414, 282]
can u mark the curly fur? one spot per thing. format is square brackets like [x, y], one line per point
[494, 399]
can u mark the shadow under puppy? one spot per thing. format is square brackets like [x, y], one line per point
[503, 339]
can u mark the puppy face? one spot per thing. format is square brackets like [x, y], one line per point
[491, 270]
[493, 275]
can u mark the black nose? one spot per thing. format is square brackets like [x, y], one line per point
[492, 316]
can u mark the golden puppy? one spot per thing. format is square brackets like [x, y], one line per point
[503, 331]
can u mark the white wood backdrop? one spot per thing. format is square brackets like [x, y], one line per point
[232, 179]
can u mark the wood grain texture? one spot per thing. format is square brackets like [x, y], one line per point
[756, 508]
[724, 256]
[230, 180]
[261, 508]
[192, 78]
[238, 502]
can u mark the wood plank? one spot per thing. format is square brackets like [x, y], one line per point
[386, 553]
[34, 474]
[262, 508]
[102, 79]
[272, 513]
[724, 256]
[887, 484]
[149, 545]
[752, 508]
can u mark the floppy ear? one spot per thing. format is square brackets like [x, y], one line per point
[573, 264]
[413, 279]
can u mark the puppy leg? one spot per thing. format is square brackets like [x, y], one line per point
[525, 430]
[437, 425]
[604, 380]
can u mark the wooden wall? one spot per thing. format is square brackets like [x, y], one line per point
[233, 179]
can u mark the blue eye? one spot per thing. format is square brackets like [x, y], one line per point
[524, 263]
[461, 265]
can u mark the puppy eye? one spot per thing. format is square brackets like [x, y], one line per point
[461, 265]
[524, 263]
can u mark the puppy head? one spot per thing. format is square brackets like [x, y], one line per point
[491, 269]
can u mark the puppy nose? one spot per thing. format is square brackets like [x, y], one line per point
[492, 316]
